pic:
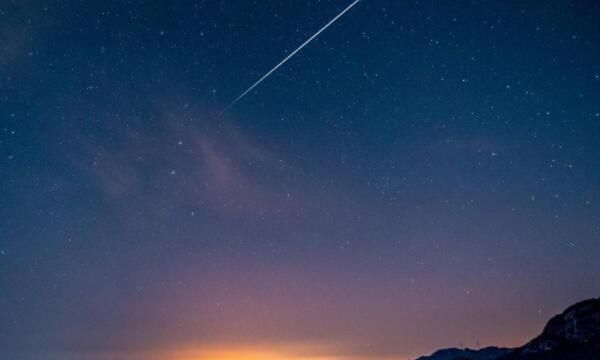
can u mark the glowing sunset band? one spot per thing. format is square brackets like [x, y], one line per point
[247, 353]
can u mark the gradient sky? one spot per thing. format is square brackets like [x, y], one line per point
[425, 174]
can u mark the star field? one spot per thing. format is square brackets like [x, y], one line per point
[421, 175]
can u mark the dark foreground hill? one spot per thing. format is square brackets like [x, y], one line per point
[488, 353]
[572, 335]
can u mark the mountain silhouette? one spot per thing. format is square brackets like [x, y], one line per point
[572, 335]
[488, 353]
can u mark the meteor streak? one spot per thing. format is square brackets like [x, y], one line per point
[289, 56]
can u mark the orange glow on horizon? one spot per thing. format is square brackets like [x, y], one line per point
[246, 354]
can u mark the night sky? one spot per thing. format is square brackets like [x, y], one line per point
[424, 174]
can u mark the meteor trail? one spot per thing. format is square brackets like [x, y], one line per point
[289, 57]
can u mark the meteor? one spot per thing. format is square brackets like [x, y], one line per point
[289, 56]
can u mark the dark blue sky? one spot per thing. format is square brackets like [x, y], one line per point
[423, 174]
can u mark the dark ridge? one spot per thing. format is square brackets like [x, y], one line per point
[572, 335]
[488, 353]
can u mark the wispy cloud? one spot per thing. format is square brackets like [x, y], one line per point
[214, 166]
